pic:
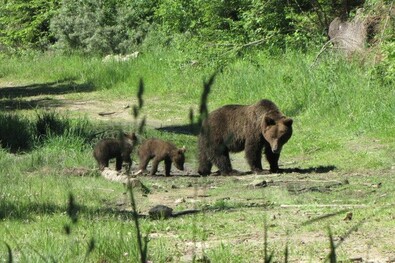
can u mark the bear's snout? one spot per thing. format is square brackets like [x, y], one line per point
[180, 167]
[276, 149]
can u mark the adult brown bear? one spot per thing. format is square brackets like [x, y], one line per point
[234, 128]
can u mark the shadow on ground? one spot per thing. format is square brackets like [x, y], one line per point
[192, 173]
[317, 170]
[189, 129]
[13, 98]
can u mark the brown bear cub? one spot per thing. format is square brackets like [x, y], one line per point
[234, 128]
[160, 150]
[120, 149]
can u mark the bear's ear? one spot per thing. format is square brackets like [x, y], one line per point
[269, 121]
[288, 122]
[133, 135]
[182, 150]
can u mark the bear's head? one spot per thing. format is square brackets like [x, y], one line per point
[129, 141]
[130, 138]
[276, 132]
[178, 158]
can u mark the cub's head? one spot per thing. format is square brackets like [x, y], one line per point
[276, 132]
[178, 158]
[129, 141]
[130, 138]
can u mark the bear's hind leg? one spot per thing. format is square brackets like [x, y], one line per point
[155, 164]
[204, 164]
[222, 161]
[253, 154]
[144, 160]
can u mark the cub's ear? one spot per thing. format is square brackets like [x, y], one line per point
[288, 122]
[133, 135]
[269, 121]
[182, 150]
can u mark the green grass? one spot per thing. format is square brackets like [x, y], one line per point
[343, 125]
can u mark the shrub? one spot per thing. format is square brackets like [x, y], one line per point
[102, 27]
[15, 132]
[25, 24]
[52, 124]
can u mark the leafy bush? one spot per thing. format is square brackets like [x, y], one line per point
[102, 27]
[15, 132]
[385, 70]
[18, 133]
[52, 124]
[26, 23]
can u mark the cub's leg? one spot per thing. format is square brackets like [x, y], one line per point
[118, 163]
[155, 164]
[144, 160]
[128, 160]
[167, 166]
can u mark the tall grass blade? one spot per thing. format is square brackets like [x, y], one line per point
[91, 247]
[72, 209]
[140, 93]
[332, 253]
[10, 257]
[268, 258]
[142, 246]
[203, 101]
[142, 125]
[286, 253]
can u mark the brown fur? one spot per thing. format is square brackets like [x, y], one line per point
[120, 149]
[160, 150]
[234, 128]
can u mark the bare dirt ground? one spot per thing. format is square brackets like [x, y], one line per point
[185, 189]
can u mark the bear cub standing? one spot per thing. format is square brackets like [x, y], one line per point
[120, 149]
[160, 150]
[234, 128]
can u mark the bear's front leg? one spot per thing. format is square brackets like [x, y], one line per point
[118, 163]
[128, 161]
[253, 154]
[167, 167]
[272, 158]
[204, 164]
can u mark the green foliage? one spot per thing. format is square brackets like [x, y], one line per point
[102, 27]
[46, 126]
[16, 133]
[267, 20]
[52, 124]
[25, 24]
[385, 69]
[230, 22]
